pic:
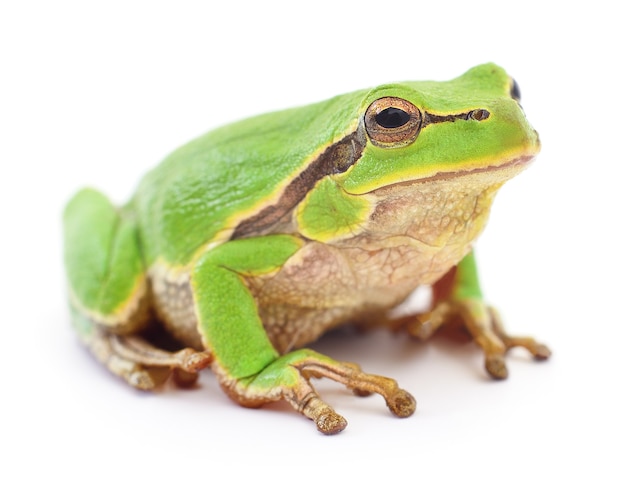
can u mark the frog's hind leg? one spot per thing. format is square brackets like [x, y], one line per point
[110, 295]
[101, 346]
[143, 365]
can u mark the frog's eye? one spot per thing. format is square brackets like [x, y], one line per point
[392, 122]
[515, 92]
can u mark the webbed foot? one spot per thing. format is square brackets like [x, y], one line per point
[289, 376]
[143, 365]
[484, 325]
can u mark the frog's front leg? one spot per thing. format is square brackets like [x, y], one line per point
[458, 299]
[249, 368]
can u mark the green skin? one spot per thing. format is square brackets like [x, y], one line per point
[241, 207]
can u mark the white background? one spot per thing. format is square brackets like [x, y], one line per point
[96, 93]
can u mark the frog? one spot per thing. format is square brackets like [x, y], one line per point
[244, 246]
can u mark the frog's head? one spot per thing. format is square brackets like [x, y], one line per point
[416, 131]
[390, 153]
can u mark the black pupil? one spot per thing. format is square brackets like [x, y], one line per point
[392, 118]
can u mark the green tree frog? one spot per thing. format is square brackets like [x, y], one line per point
[251, 241]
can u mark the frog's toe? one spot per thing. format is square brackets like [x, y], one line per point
[184, 379]
[145, 378]
[538, 350]
[541, 352]
[326, 419]
[496, 366]
[191, 361]
[402, 404]
[331, 423]
[141, 379]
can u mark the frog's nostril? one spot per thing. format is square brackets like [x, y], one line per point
[479, 114]
[515, 92]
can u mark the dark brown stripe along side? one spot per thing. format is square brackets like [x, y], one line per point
[337, 158]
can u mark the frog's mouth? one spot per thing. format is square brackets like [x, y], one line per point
[487, 174]
[511, 155]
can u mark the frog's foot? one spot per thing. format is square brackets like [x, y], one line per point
[143, 365]
[289, 376]
[484, 325]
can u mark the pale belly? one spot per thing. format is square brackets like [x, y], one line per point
[324, 286]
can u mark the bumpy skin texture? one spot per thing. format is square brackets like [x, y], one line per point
[252, 240]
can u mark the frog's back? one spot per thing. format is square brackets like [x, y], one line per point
[200, 191]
